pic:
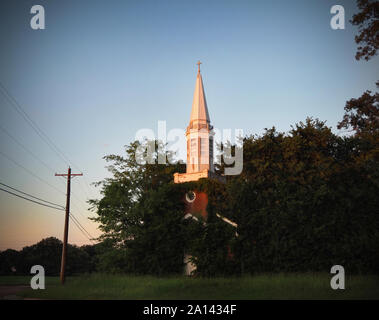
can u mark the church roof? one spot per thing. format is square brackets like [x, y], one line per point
[199, 104]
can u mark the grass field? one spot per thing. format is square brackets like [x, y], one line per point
[25, 280]
[277, 286]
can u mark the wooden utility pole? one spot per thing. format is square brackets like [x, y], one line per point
[65, 235]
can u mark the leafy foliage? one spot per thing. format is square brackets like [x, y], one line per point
[367, 21]
[362, 114]
[47, 253]
[210, 242]
[306, 201]
[141, 214]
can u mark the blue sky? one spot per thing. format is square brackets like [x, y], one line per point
[102, 70]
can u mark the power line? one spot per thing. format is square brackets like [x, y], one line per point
[79, 201]
[36, 176]
[82, 215]
[26, 149]
[30, 172]
[16, 105]
[87, 185]
[32, 154]
[76, 222]
[88, 235]
[27, 194]
[42, 204]
[80, 229]
[73, 217]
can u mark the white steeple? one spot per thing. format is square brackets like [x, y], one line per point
[199, 113]
[199, 134]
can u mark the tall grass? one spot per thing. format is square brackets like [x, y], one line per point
[265, 286]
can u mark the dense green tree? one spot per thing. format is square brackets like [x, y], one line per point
[306, 200]
[9, 262]
[210, 241]
[46, 253]
[367, 20]
[141, 212]
[362, 114]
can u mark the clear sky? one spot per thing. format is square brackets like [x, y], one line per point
[101, 70]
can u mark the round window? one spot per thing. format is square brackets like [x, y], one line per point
[190, 196]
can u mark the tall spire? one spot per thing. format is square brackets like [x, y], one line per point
[198, 65]
[199, 111]
[199, 137]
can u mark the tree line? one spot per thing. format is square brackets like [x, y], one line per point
[306, 200]
[47, 253]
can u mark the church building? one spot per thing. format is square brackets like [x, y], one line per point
[199, 137]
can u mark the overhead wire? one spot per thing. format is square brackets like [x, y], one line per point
[16, 105]
[81, 228]
[30, 172]
[27, 194]
[41, 161]
[42, 204]
[53, 206]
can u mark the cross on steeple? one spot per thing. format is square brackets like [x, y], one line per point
[198, 65]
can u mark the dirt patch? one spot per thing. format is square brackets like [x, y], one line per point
[10, 292]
